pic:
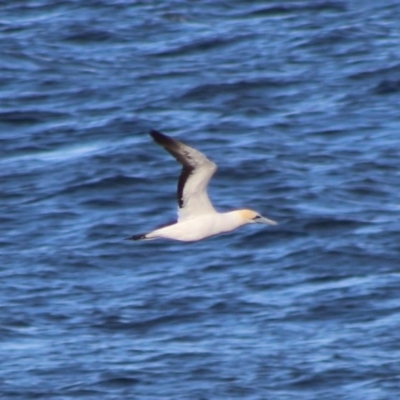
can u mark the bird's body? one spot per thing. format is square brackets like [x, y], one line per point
[199, 228]
[197, 218]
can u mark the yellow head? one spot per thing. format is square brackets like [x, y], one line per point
[253, 217]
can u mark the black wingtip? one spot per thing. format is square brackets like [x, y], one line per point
[156, 134]
[160, 138]
[136, 237]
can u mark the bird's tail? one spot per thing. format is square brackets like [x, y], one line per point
[139, 237]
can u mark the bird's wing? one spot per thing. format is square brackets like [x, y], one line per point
[193, 200]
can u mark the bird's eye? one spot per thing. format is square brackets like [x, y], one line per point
[257, 217]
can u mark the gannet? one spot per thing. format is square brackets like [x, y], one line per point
[197, 218]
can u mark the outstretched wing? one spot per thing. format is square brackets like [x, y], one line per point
[193, 200]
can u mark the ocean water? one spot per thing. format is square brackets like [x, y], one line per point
[297, 102]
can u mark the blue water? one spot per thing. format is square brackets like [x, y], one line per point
[297, 102]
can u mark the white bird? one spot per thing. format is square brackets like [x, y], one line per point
[197, 218]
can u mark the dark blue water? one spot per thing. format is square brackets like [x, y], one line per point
[298, 103]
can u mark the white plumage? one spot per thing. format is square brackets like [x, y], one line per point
[197, 218]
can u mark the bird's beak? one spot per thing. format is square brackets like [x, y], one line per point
[264, 220]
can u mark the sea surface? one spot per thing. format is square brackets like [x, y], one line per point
[299, 104]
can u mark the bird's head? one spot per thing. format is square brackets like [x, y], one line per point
[253, 217]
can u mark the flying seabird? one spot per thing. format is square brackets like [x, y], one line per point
[197, 218]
